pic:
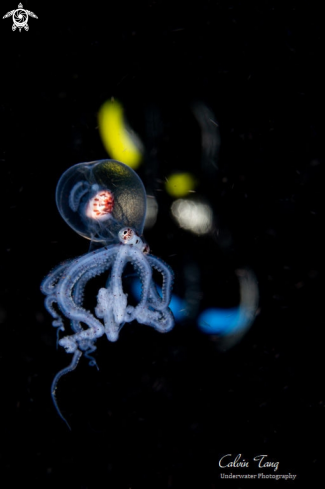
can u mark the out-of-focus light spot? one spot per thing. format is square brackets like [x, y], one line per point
[180, 184]
[218, 321]
[192, 215]
[210, 137]
[119, 140]
[232, 324]
[152, 212]
[176, 305]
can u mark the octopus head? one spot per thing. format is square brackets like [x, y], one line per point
[128, 236]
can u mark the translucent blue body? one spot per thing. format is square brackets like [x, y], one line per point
[104, 201]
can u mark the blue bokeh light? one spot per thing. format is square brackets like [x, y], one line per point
[220, 321]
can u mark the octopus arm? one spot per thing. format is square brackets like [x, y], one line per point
[162, 321]
[105, 310]
[72, 366]
[152, 310]
[140, 262]
[115, 287]
[167, 285]
[91, 264]
[58, 321]
[79, 288]
[51, 281]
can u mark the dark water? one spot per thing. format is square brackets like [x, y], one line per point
[163, 409]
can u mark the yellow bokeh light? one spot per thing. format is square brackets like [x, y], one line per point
[120, 142]
[180, 184]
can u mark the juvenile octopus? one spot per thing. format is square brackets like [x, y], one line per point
[104, 201]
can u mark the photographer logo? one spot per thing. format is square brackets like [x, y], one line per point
[20, 18]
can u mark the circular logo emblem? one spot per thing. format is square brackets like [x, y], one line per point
[20, 18]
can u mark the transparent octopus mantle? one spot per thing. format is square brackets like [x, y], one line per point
[129, 198]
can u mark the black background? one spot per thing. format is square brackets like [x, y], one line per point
[163, 409]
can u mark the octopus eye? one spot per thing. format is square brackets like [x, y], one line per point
[127, 236]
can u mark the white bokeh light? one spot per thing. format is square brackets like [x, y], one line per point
[194, 216]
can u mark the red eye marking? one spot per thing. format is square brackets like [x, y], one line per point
[101, 205]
